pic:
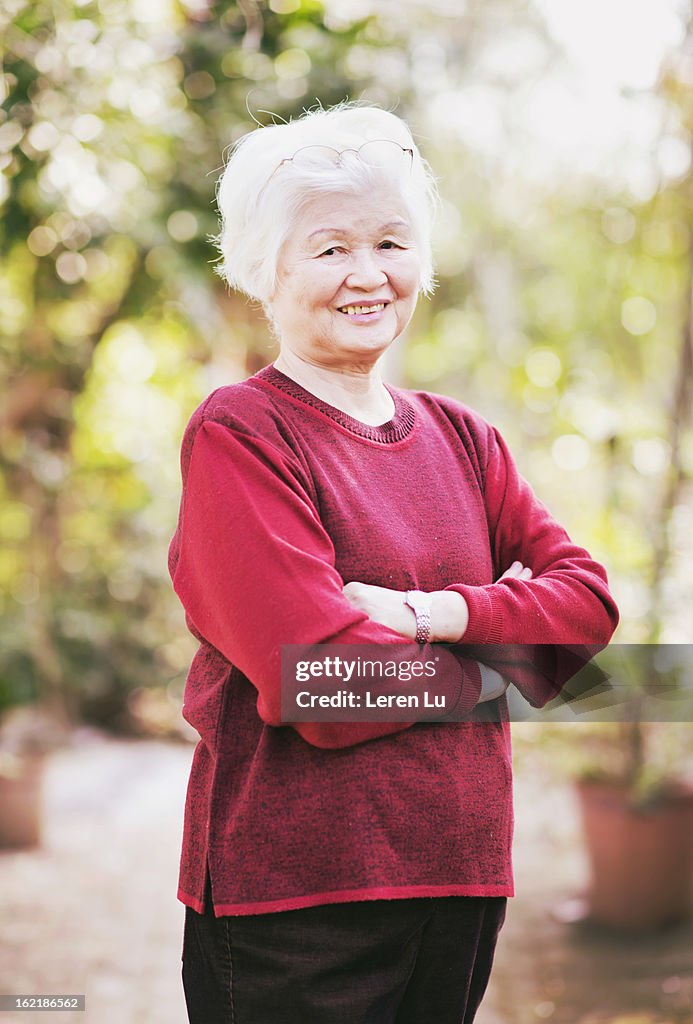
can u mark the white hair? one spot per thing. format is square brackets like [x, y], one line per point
[258, 207]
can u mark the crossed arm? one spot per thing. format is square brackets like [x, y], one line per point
[449, 618]
[246, 516]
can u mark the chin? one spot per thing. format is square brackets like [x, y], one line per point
[373, 346]
[368, 336]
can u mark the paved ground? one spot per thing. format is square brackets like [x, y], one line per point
[94, 911]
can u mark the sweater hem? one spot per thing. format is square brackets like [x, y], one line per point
[347, 896]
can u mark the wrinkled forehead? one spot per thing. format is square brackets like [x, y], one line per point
[352, 212]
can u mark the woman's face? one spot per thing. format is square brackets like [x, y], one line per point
[348, 279]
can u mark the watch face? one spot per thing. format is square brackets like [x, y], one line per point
[417, 600]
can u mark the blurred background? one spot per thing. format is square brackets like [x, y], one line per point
[562, 136]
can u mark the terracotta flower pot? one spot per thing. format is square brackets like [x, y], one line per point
[20, 802]
[641, 858]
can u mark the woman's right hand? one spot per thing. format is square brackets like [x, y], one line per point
[493, 685]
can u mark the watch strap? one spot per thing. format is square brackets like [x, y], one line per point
[420, 603]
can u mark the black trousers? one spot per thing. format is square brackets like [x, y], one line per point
[411, 961]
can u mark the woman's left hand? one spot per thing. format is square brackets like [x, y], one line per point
[384, 606]
[449, 614]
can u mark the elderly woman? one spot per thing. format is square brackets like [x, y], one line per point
[351, 871]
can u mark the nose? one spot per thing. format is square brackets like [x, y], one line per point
[366, 271]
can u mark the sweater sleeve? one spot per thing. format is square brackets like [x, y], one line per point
[561, 617]
[255, 569]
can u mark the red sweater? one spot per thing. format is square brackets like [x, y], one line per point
[284, 500]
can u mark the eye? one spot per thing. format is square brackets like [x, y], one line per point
[333, 249]
[389, 244]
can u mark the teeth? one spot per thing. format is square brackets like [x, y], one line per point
[362, 309]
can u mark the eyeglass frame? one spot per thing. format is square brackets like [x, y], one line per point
[318, 145]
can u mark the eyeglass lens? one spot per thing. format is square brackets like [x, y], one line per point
[377, 153]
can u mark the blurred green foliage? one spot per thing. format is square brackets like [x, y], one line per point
[563, 317]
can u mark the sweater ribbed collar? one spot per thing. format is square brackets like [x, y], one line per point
[395, 429]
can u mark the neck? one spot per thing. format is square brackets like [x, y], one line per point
[357, 391]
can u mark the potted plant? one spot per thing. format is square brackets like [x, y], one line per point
[33, 723]
[636, 801]
[27, 735]
[636, 795]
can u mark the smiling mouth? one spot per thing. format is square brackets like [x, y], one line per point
[355, 310]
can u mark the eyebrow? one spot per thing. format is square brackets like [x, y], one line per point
[392, 225]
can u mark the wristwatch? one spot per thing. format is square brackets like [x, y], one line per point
[420, 603]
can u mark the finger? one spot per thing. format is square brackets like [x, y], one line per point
[513, 572]
[526, 573]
